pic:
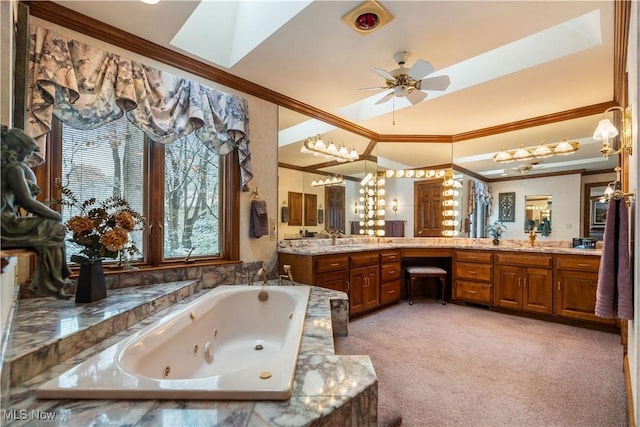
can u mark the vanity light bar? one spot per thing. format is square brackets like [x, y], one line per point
[328, 181]
[541, 151]
[415, 173]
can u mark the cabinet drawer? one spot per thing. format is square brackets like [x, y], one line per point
[389, 272]
[332, 263]
[524, 259]
[389, 256]
[472, 291]
[364, 259]
[474, 256]
[581, 263]
[390, 292]
[474, 271]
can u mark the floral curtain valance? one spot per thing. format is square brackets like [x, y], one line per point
[86, 87]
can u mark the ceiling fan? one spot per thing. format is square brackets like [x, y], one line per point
[409, 82]
[523, 169]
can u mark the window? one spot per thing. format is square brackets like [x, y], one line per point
[115, 160]
[191, 202]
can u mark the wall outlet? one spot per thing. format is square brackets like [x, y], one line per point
[568, 226]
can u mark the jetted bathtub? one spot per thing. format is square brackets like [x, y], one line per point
[235, 342]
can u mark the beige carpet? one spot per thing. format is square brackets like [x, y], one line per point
[457, 365]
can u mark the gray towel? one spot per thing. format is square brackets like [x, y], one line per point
[614, 296]
[259, 222]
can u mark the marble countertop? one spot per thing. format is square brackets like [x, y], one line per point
[357, 244]
[328, 389]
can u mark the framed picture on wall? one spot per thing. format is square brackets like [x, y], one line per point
[598, 213]
[507, 207]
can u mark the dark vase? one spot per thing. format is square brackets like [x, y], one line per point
[91, 285]
[496, 242]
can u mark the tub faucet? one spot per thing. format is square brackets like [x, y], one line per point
[249, 276]
[287, 275]
[262, 273]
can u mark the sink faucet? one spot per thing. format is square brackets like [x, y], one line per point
[287, 275]
[334, 236]
[532, 238]
[262, 273]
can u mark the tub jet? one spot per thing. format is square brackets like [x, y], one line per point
[263, 296]
[258, 347]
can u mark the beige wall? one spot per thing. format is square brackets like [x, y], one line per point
[565, 214]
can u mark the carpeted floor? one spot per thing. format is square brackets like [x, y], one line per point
[457, 365]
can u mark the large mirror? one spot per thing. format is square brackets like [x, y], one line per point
[563, 177]
[537, 214]
[331, 208]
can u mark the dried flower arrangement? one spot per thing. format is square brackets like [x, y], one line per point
[101, 229]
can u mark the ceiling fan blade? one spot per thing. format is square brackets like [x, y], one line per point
[373, 88]
[416, 96]
[383, 73]
[435, 83]
[385, 98]
[420, 69]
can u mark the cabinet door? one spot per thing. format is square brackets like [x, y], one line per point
[508, 287]
[336, 280]
[576, 295]
[357, 280]
[371, 288]
[295, 208]
[537, 290]
[310, 209]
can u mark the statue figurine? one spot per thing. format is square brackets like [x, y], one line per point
[43, 230]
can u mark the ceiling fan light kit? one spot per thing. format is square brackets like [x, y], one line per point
[331, 152]
[411, 82]
[542, 151]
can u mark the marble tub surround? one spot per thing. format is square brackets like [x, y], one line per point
[47, 331]
[329, 390]
[356, 244]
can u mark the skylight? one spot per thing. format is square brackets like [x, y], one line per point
[223, 32]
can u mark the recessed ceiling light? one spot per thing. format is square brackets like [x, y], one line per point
[150, 1]
[367, 17]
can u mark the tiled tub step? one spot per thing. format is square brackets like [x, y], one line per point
[47, 331]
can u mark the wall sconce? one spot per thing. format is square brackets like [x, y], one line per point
[614, 189]
[394, 204]
[606, 130]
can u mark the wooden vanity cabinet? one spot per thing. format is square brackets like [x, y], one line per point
[390, 271]
[364, 282]
[576, 282]
[473, 276]
[523, 281]
[332, 272]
